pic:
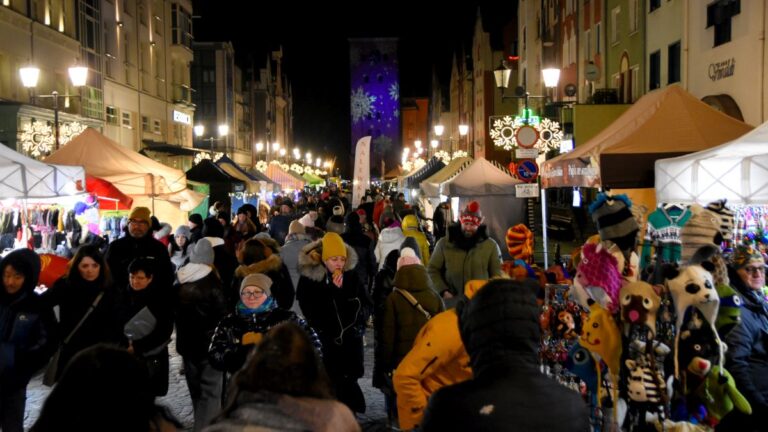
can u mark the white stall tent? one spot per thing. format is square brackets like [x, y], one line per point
[431, 185]
[736, 170]
[27, 178]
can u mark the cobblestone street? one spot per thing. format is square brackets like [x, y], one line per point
[181, 406]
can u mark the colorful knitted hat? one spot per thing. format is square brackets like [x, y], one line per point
[726, 216]
[598, 268]
[700, 236]
[615, 221]
[519, 241]
[745, 254]
[472, 214]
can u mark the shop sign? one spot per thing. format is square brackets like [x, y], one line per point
[181, 117]
[723, 69]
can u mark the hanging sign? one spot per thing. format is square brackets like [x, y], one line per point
[524, 153]
[527, 170]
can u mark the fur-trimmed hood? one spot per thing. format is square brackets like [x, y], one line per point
[271, 263]
[311, 263]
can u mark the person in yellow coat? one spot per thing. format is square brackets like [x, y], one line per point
[411, 228]
[437, 359]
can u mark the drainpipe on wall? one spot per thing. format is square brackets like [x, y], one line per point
[684, 43]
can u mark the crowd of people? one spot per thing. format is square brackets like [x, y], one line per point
[270, 311]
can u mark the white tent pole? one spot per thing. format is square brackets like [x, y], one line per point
[544, 226]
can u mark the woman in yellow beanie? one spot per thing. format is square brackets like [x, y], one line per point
[336, 305]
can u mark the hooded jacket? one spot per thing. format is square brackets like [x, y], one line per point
[500, 330]
[272, 267]
[390, 239]
[411, 229]
[122, 251]
[363, 245]
[402, 321]
[290, 254]
[27, 328]
[456, 259]
[338, 315]
[437, 359]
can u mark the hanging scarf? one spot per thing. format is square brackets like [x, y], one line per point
[268, 305]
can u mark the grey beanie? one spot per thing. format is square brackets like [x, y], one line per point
[202, 252]
[184, 231]
[258, 280]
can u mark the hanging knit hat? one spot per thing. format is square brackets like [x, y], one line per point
[472, 214]
[615, 221]
[598, 268]
[259, 280]
[746, 254]
[726, 216]
[202, 252]
[333, 246]
[519, 241]
[700, 236]
[407, 257]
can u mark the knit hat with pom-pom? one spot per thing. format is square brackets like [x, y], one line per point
[472, 214]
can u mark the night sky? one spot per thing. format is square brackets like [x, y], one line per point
[316, 57]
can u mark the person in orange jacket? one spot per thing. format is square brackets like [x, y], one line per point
[437, 359]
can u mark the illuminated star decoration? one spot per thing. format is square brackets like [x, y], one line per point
[37, 139]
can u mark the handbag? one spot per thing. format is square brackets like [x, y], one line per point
[51, 372]
[415, 303]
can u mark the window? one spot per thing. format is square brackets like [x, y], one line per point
[111, 115]
[719, 14]
[145, 123]
[597, 38]
[653, 5]
[615, 25]
[654, 70]
[635, 82]
[181, 26]
[673, 63]
[633, 15]
[126, 119]
[156, 127]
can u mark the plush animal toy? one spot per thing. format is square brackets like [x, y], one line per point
[693, 286]
[644, 384]
[720, 395]
[601, 335]
[639, 304]
[583, 364]
[598, 275]
[729, 313]
[696, 353]
[566, 325]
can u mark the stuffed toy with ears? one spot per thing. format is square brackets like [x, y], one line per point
[601, 335]
[720, 395]
[639, 304]
[692, 286]
[729, 313]
[697, 352]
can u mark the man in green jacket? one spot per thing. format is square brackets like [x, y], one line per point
[467, 253]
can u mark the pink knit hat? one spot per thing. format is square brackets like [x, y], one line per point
[407, 257]
[598, 268]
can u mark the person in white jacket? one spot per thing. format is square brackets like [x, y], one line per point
[390, 239]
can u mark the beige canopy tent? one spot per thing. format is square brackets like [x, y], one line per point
[149, 183]
[664, 123]
[285, 179]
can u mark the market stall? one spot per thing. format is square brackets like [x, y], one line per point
[287, 181]
[221, 184]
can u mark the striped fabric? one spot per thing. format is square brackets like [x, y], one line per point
[726, 218]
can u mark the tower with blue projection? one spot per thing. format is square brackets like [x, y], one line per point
[375, 99]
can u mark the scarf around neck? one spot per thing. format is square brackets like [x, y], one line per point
[268, 305]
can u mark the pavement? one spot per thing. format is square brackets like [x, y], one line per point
[179, 403]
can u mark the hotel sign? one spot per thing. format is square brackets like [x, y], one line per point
[181, 117]
[723, 69]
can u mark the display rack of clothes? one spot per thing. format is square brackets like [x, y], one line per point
[663, 231]
[113, 227]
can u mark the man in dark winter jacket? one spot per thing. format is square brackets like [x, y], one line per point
[196, 228]
[466, 254]
[139, 243]
[27, 334]
[500, 330]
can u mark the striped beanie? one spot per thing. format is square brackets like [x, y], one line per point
[700, 236]
[614, 220]
[726, 216]
[519, 241]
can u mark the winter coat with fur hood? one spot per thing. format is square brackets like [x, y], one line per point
[272, 267]
[338, 315]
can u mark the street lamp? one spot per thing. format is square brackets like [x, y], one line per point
[30, 75]
[501, 74]
[223, 132]
[259, 147]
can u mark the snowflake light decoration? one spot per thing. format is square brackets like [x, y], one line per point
[504, 130]
[275, 162]
[298, 169]
[309, 170]
[37, 139]
[418, 163]
[394, 91]
[70, 130]
[261, 166]
[199, 156]
[459, 154]
[362, 104]
[285, 167]
[550, 135]
[443, 156]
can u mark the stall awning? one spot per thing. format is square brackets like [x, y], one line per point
[24, 177]
[230, 167]
[110, 197]
[172, 149]
[431, 184]
[480, 178]
[432, 166]
[284, 178]
[312, 179]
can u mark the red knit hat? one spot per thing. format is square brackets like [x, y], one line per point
[472, 214]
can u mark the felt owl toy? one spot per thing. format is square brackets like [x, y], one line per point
[601, 335]
[720, 395]
[639, 304]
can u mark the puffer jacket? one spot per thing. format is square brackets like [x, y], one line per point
[390, 239]
[227, 353]
[290, 254]
[451, 266]
[411, 229]
[28, 334]
[272, 267]
[402, 321]
[200, 305]
[437, 359]
[338, 315]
